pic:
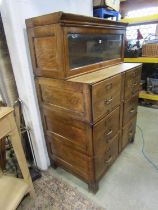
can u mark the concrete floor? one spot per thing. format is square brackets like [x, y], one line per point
[131, 183]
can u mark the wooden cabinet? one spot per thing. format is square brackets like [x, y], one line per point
[63, 45]
[88, 107]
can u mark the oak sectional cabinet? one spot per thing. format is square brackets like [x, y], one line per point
[87, 96]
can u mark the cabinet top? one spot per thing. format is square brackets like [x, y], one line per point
[5, 111]
[91, 78]
[68, 18]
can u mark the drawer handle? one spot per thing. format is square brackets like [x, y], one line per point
[110, 132]
[134, 84]
[109, 160]
[108, 101]
[109, 86]
[132, 110]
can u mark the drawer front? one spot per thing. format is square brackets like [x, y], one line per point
[75, 132]
[132, 82]
[68, 157]
[106, 96]
[130, 109]
[105, 130]
[106, 158]
[129, 132]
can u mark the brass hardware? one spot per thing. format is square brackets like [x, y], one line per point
[108, 101]
[110, 132]
[134, 84]
[132, 110]
[109, 160]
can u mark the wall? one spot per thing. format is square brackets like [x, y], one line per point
[14, 14]
[131, 5]
[8, 88]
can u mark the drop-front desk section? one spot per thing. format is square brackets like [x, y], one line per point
[87, 96]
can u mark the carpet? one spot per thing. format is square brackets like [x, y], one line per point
[52, 193]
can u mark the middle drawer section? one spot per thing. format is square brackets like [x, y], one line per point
[105, 130]
[106, 96]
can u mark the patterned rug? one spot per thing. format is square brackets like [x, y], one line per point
[53, 193]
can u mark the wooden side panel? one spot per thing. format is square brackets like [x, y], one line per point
[47, 50]
[76, 133]
[70, 158]
[68, 97]
[121, 109]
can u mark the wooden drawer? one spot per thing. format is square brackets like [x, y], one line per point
[106, 96]
[68, 157]
[130, 109]
[132, 82]
[129, 132]
[75, 132]
[105, 130]
[106, 158]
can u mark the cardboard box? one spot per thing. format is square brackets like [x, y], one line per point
[114, 4]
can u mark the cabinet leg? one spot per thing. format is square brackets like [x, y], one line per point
[53, 164]
[93, 187]
[132, 140]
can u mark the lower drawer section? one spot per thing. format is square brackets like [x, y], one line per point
[106, 158]
[129, 132]
[75, 132]
[71, 159]
[105, 130]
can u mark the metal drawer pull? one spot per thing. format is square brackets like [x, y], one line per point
[108, 101]
[134, 84]
[132, 110]
[110, 132]
[109, 160]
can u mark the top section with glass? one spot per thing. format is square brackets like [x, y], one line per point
[64, 45]
[86, 49]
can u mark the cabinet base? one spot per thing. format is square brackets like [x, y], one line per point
[93, 187]
[132, 140]
[53, 164]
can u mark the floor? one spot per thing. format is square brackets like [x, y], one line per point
[131, 183]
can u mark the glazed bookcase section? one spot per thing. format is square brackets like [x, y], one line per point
[63, 45]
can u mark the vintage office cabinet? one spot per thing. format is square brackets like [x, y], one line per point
[87, 95]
